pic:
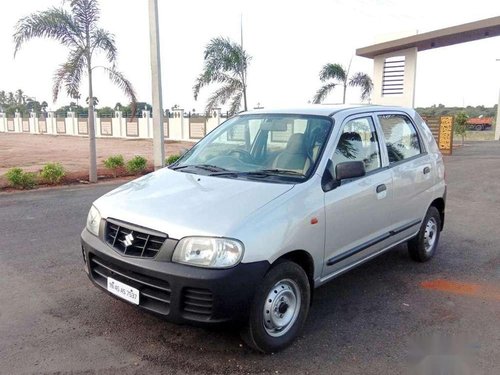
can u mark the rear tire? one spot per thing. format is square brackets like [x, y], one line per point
[279, 309]
[423, 246]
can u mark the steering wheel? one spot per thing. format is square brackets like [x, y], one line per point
[244, 156]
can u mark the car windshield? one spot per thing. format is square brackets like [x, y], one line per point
[269, 147]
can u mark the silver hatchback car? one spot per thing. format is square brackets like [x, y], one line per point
[265, 208]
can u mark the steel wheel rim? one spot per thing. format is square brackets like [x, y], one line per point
[430, 234]
[281, 308]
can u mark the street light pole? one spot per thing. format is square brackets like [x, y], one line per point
[497, 122]
[154, 38]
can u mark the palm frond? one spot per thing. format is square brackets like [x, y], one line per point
[323, 92]
[235, 103]
[70, 74]
[222, 95]
[333, 71]
[223, 54]
[123, 83]
[86, 13]
[225, 62]
[103, 40]
[363, 81]
[54, 23]
[207, 77]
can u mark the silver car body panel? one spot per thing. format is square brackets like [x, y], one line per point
[184, 204]
[273, 219]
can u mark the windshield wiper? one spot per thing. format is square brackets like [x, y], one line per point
[205, 167]
[260, 173]
[281, 171]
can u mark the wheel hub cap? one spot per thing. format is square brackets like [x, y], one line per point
[430, 234]
[281, 308]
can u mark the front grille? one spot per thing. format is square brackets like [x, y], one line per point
[132, 242]
[197, 302]
[154, 294]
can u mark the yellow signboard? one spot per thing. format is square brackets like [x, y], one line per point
[445, 139]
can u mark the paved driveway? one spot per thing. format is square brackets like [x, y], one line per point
[383, 318]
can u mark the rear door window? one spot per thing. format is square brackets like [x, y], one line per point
[401, 138]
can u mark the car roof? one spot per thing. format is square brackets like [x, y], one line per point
[324, 109]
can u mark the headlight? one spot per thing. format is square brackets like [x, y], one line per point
[93, 221]
[208, 252]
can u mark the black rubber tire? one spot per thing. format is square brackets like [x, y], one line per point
[416, 246]
[254, 333]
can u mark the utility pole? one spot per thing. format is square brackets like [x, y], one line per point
[497, 122]
[154, 39]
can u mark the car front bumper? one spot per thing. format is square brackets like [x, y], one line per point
[178, 293]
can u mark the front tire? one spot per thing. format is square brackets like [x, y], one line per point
[279, 309]
[423, 247]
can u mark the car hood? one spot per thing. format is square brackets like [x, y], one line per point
[183, 204]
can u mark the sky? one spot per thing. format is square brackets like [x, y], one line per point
[289, 42]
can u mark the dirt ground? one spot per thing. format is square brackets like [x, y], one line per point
[32, 151]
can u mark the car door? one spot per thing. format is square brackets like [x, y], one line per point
[412, 172]
[358, 212]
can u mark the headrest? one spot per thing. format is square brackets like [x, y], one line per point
[295, 144]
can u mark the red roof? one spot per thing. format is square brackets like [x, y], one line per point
[480, 121]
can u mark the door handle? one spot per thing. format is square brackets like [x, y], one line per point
[427, 170]
[381, 188]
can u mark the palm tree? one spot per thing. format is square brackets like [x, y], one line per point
[340, 75]
[78, 30]
[44, 106]
[95, 101]
[77, 97]
[20, 97]
[225, 63]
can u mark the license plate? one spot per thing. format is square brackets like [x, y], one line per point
[123, 291]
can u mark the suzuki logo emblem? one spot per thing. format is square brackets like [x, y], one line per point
[127, 241]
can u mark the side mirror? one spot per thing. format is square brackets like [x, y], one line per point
[349, 169]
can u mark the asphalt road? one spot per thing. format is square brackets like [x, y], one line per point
[386, 317]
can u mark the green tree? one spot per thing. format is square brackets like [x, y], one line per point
[3, 98]
[461, 125]
[76, 28]
[340, 76]
[10, 98]
[225, 63]
[135, 109]
[105, 112]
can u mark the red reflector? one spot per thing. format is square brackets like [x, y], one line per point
[314, 220]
